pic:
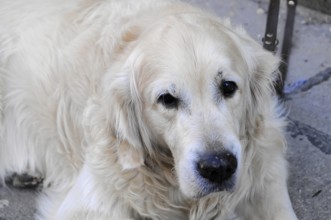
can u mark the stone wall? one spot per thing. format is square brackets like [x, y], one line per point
[319, 5]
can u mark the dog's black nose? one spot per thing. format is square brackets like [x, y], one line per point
[217, 167]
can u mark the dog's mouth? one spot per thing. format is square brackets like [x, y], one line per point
[207, 187]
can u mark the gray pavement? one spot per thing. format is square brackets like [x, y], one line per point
[309, 107]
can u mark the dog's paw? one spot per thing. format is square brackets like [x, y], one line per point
[25, 181]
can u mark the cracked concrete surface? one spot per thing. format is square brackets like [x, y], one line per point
[308, 102]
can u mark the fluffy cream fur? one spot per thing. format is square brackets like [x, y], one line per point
[79, 85]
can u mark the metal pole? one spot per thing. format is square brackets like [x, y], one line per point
[286, 47]
[270, 37]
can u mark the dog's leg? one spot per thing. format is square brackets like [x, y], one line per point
[274, 203]
[89, 199]
[25, 180]
[269, 200]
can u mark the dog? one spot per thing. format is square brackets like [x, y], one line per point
[148, 109]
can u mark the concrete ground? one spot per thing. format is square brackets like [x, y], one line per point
[308, 103]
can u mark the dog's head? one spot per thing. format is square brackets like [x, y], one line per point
[192, 85]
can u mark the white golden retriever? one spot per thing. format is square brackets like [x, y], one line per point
[139, 110]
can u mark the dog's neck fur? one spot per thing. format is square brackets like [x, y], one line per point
[163, 197]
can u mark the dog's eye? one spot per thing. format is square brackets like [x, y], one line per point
[168, 101]
[228, 88]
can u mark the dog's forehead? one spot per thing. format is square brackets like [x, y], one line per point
[196, 49]
[184, 55]
[194, 59]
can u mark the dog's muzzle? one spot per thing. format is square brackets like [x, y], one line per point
[217, 168]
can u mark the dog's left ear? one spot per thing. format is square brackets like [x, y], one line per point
[263, 98]
[261, 66]
[264, 75]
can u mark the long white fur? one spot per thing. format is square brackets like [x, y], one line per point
[79, 82]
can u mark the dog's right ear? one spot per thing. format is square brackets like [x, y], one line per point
[124, 111]
[110, 128]
[121, 98]
[129, 157]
